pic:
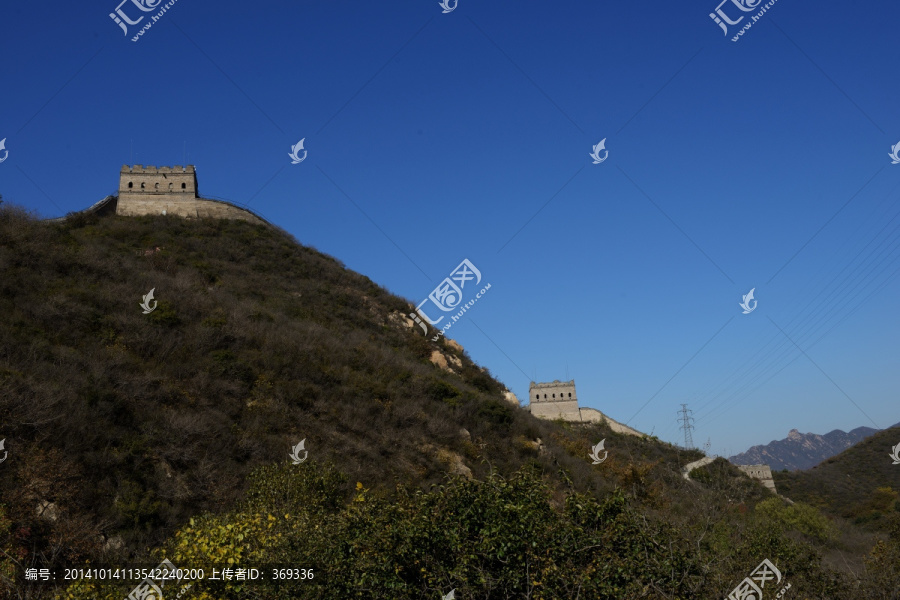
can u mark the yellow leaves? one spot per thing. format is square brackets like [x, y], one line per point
[359, 486]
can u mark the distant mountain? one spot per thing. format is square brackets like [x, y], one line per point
[860, 484]
[801, 450]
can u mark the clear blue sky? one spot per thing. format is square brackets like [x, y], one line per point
[435, 137]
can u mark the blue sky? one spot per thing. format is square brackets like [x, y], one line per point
[435, 137]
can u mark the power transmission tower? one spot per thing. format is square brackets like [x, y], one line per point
[686, 425]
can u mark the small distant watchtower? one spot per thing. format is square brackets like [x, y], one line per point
[554, 400]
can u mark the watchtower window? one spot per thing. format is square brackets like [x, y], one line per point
[130, 185]
[156, 186]
[545, 396]
[142, 186]
[170, 187]
[183, 186]
[570, 394]
[554, 395]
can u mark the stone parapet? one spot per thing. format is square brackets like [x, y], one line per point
[196, 208]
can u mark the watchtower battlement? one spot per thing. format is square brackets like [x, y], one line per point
[178, 182]
[555, 391]
[153, 169]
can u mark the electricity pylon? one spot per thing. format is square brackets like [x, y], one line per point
[686, 425]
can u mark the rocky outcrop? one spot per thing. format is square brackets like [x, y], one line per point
[443, 361]
[453, 344]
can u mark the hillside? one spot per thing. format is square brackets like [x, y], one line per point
[801, 450]
[860, 484]
[137, 437]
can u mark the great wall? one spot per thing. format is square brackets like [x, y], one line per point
[166, 191]
[174, 191]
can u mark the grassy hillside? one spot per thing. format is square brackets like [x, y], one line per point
[138, 437]
[860, 484]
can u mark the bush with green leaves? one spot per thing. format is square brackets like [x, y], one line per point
[500, 538]
[798, 516]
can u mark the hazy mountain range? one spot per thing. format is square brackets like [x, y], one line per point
[801, 450]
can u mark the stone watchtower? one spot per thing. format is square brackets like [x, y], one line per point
[555, 400]
[151, 191]
[170, 191]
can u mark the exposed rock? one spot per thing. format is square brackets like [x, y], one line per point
[465, 433]
[537, 444]
[398, 318]
[438, 358]
[47, 510]
[454, 344]
[114, 543]
[455, 462]
[511, 398]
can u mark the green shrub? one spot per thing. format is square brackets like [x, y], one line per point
[798, 517]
